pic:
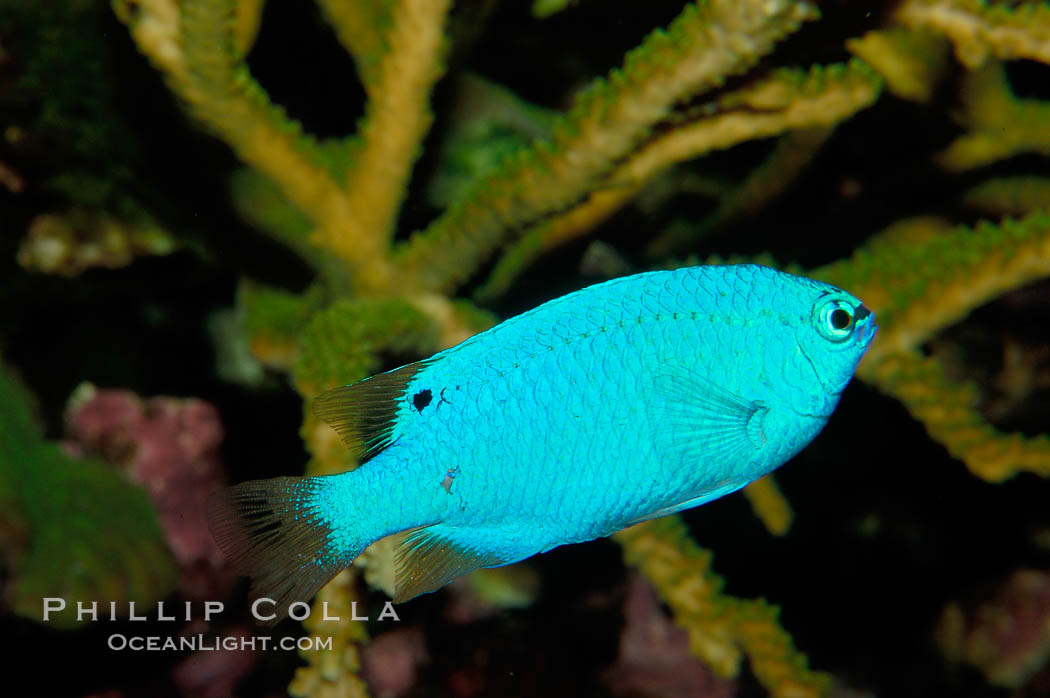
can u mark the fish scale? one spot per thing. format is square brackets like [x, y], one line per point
[610, 405]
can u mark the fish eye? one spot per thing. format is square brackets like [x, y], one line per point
[835, 319]
[840, 319]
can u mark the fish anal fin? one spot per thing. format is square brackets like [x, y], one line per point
[364, 413]
[427, 559]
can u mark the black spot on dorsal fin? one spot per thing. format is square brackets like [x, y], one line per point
[364, 413]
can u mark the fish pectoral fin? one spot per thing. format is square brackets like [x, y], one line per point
[427, 559]
[365, 413]
[694, 415]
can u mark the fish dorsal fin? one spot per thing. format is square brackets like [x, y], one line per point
[365, 413]
[428, 558]
[704, 420]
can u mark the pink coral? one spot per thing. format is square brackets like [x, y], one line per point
[391, 661]
[171, 447]
[1008, 637]
[211, 674]
[654, 653]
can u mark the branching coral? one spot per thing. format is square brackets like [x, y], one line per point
[1000, 125]
[981, 29]
[792, 153]
[721, 628]
[785, 100]
[610, 120]
[1015, 196]
[333, 671]
[770, 505]
[920, 279]
[949, 411]
[335, 203]
[912, 62]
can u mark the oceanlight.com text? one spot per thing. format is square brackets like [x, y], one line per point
[196, 643]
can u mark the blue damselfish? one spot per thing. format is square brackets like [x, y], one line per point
[615, 404]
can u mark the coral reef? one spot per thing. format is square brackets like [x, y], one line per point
[622, 132]
[735, 127]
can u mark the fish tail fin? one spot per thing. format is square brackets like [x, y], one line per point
[272, 531]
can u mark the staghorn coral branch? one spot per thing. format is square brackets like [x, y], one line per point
[202, 68]
[1016, 196]
[154, 25]
[919, 279]
[775, 662]
[404, 77]
[194, 45]
[355, 221]
[770, 505]
[719, 626]
[910, 61]
[948, 411]
[260, 203]
[361, 27]
[333, 672]
[792, 154]
[787, 99]
[224, 95]
[1000, 124]
[248, 18]
[680, 571]
[700, 48]
[979, 30]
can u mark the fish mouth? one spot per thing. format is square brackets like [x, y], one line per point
[865, 321]
[867, 333]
